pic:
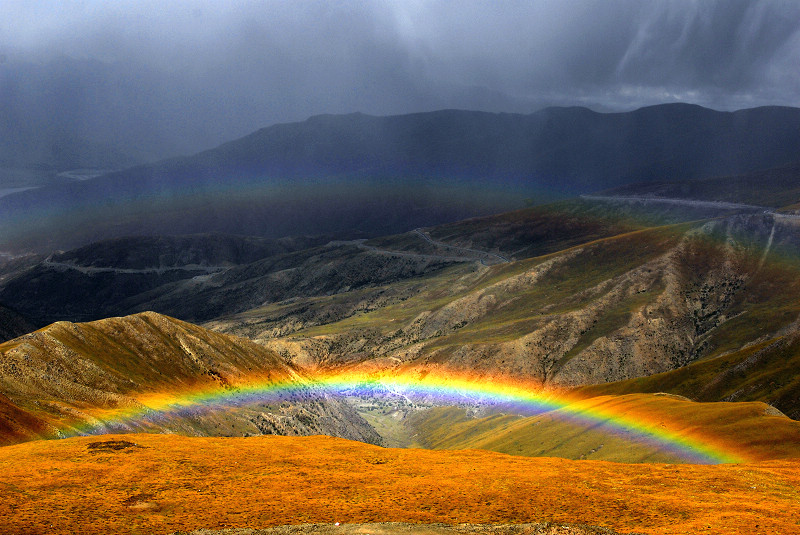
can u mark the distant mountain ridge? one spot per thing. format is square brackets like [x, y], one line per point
[359, 174]
[775, 187]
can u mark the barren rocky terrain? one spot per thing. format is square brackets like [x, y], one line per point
[622, 307]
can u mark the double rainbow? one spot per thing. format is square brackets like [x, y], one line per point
[444, 389]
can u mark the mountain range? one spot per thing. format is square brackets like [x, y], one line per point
[364, 176]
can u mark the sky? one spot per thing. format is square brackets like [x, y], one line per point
[222, 69]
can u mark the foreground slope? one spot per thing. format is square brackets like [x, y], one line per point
[163, 483]
[56, 381]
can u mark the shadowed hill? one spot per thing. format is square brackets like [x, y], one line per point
[161, 253]
[358, 174]
[67, 374]
[93, 281]
[13, 324]
[200, 278]
[776, 187]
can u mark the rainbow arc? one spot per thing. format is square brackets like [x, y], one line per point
[692, 446]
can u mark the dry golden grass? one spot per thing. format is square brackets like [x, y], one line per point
[166, 483]
[750, 431]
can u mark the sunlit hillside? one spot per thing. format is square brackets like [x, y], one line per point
[157, 483]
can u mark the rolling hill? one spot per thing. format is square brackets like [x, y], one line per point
[63, 379]
[356, 175]
[202, 277]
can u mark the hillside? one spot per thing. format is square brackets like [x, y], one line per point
[167, 483]
[71, 378]
[763, 370]
[776, 187]
[354, 175]
[98, 280]
[756, 430]
[202, 277]
[620, 307]
[12, 324]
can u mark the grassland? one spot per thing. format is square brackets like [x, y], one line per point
[166, 483]
[749, 430]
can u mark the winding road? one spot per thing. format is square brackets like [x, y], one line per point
[425, 236]
[468, 255]
[88, 270]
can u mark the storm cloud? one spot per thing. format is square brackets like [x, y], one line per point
[216, 70]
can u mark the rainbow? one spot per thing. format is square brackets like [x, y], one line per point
[451, 388]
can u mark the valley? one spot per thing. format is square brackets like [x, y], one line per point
[603, 295]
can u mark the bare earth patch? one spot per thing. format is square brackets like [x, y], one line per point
[399, 528]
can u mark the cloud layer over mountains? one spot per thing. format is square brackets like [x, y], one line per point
[238, 66]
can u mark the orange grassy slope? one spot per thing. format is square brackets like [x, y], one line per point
[753, 431]
[165, 483]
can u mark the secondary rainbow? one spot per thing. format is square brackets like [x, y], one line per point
[444, 389]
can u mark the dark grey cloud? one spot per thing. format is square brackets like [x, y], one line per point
[229, 67]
